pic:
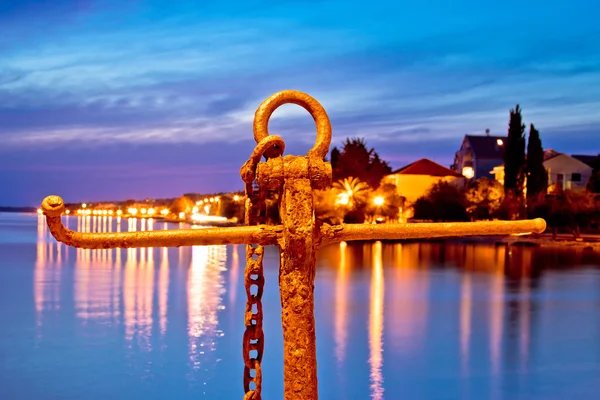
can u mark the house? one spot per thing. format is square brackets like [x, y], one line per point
[478, 155]
[415, 180]
[564, 172]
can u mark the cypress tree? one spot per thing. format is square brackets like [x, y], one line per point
[537, 177]
[514, 154]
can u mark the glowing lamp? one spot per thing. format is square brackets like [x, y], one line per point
[468, 172]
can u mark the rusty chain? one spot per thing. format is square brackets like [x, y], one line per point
[253, 341]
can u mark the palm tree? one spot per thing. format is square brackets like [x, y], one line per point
[351, 192]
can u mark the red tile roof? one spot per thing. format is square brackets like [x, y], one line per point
[426, 167]
[548, 154]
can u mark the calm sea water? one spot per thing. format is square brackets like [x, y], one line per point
[394, 321]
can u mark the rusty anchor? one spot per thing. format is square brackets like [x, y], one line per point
[298, 237]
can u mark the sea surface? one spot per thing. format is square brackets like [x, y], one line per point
[394, 321]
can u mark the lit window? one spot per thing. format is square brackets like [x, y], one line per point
[468, 172]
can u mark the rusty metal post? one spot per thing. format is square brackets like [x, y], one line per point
[299, 240]
[297, 285]
[299, 236]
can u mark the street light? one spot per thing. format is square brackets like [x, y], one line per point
[468, 172]
[343, 199]
[378, 201]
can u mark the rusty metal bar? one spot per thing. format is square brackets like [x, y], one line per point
[347, 232]
[53, 207]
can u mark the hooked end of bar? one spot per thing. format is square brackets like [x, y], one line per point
[539, 225]
[53, 206]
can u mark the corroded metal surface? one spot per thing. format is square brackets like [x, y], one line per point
[53, 207]
[294, 178]
[349, 232]
[316, 110]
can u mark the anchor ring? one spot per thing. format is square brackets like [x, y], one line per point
[316, 110]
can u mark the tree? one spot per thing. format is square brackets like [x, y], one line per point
[355, 160]
[352, 196]
[443, 202]
[570, 210]
[335, 156]
[182, 204]
[325, 207]
[484, 197]
[593, 184]
[392, 204]
[232, 209]
[514, 154]
[537, 177]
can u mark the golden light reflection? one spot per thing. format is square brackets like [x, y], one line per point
[47, 272]
[163, 290]
[410, 308]
[205, 290]
[94, 289]
[518, 267]
[341, 306]
[376, 324]
[234, 274]
[138, 293]
[96, 292]
[496, 314]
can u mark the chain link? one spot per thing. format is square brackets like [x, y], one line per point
[254, 280]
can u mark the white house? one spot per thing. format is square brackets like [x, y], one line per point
[564, 172]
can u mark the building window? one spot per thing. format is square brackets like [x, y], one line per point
[468, 172]
[575, 177]
[559, 177]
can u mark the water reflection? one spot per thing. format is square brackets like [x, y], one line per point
[122, 286]
[341, 306]
[466, 306]
[492, 321]
[410, 309]
[163, 290]
[205, 291]
[376, 324]
[47, 273]
[496, 315]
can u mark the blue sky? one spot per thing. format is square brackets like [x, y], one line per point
[105, 100]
